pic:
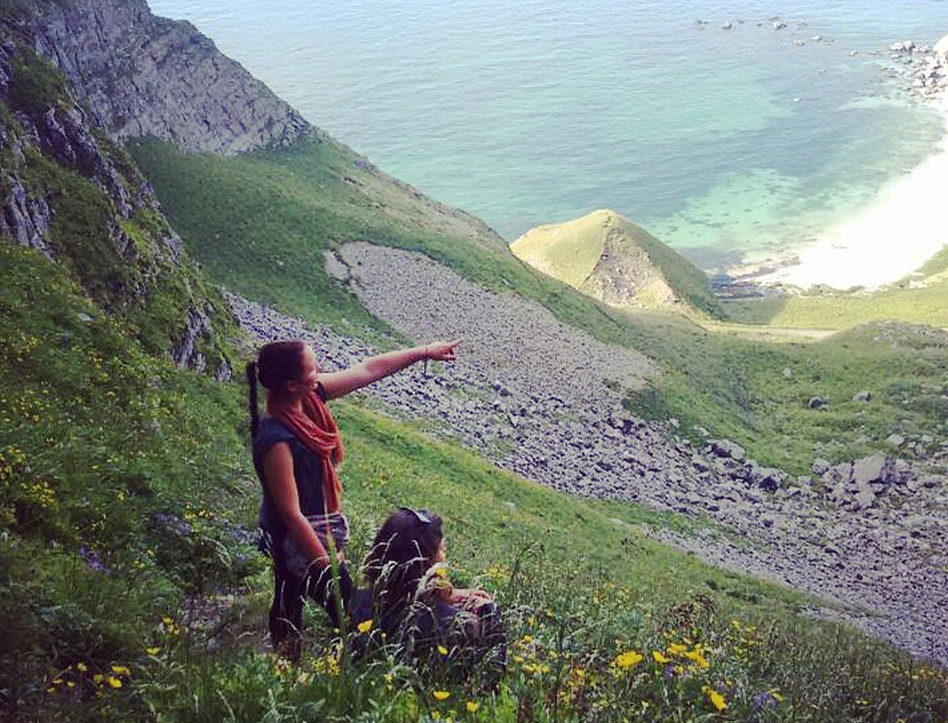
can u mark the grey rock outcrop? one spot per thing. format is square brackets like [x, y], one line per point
[142, 75]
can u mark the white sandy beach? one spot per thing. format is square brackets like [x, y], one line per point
[885, 241]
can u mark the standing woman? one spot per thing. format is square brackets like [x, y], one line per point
[296, 448]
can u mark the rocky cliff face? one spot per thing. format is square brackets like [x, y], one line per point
[72, 194]
[142, 75]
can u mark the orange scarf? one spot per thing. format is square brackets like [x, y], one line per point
[318, 431]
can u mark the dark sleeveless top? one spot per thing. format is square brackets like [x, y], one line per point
[307, 469]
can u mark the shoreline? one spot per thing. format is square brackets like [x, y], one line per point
[892, 237]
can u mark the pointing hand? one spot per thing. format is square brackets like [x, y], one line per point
[443, 350]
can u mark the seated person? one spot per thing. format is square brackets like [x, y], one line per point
[413, 601]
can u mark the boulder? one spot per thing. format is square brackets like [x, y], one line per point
[864, 498]
[839, 474]
[863, 396]
[768, 478]
[817, 403]
[873, 468]
[727, 448]
[895, 440]
[820, 466]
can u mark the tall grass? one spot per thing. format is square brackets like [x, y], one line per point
[130, 589]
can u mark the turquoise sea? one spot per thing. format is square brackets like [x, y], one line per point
[725, 143]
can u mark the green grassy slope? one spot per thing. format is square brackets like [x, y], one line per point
[125, 485]
[920, 299]
[758, 392]
[246, 216]
[260, 222]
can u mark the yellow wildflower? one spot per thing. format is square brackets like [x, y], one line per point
[717, 700]
[660, 657]
[114, 682]
[82, 667]
[152, 651]
[472, 706]
[442, 694]
[527, 639]
[365, 627]
[166, 620]
[677, 648]
[627, 659]
[121, 670]
[697, 657]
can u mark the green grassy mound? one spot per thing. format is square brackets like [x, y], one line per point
[130, 590]
[573, 253]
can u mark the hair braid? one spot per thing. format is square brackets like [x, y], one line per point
[252, 400]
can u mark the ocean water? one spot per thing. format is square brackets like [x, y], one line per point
[728, 144]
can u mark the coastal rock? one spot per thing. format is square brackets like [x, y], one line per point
[141, 75]
[608, 257]
[60, 131]
[940, 49]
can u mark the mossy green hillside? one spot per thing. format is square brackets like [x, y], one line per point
[920, 298]
[763, 389]
[98, 441]
[122, 260]
[260, 222]
[125, 488]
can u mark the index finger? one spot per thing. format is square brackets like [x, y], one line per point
[452, 344]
